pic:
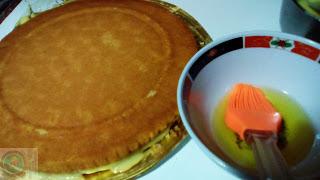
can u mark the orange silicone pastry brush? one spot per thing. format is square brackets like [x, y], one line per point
[255, 120]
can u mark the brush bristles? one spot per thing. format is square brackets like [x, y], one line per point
[247, 97]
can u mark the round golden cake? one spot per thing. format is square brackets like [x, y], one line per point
[92, 81]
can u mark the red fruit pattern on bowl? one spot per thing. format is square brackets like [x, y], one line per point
[305, 50]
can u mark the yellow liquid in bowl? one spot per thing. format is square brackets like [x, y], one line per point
[305, 4]
[295, 139]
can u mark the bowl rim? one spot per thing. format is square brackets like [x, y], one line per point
[215, 158]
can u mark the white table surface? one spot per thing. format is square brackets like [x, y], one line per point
[219, 18]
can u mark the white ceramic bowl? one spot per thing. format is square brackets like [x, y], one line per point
[276, 60]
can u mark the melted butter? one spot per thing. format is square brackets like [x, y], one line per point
[295, 139]
[305, 4]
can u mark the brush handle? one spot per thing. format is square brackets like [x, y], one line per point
[269, 160]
